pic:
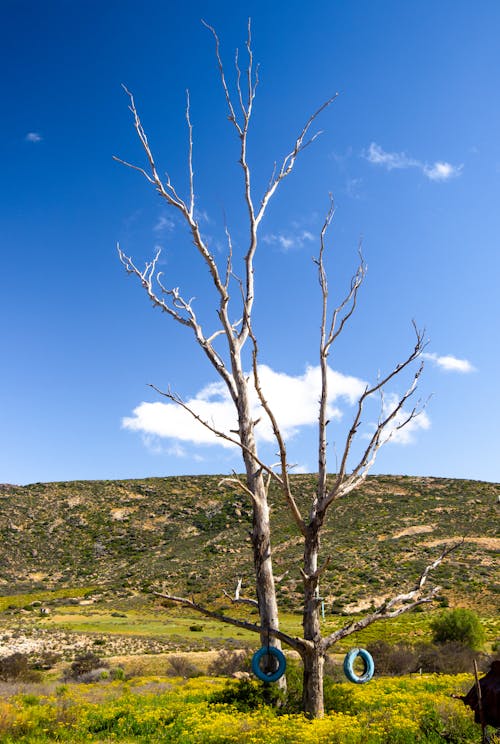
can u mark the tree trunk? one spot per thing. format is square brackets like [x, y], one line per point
[312, 691]
[261, 531]
[265, 587]
[313, 656]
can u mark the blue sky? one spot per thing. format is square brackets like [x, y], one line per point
[410, 151]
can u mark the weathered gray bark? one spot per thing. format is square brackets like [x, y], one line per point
[312, 680]
[313, 655]
[261, 526]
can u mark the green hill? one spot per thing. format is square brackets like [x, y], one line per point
[193, 534]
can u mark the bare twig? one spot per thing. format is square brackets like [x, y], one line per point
[237, 599]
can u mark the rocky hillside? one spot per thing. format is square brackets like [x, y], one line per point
[193, 534]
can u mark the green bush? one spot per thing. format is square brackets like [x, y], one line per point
[459, 625]
[244, 695]
[247, 694]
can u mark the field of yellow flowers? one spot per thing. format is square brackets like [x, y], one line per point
[157, 709]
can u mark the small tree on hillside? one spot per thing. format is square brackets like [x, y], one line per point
[234, 287]
[458, 626]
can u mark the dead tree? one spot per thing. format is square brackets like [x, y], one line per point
[237, 289]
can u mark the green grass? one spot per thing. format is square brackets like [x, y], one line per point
[177, 625]
[48, 596]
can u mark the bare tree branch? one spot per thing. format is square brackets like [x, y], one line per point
[398, 605]
[289, 160]
[376, 441]
[179, 306]
[237, 599]
[190, 158]
[222, 435]
[327, 338]
[168, 192]
[285, 479]
[235, 480]
[296, 643]
[146, 278]
[232, 115]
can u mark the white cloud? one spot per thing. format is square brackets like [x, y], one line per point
[450, 363]
[171, 421]
[294, 402]
[389, 160]
[163, 223]
[289, 240]
[33, 137]
[442, 171]
[438, 171]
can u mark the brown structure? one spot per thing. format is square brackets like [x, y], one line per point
[490, 698]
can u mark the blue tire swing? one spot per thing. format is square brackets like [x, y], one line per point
[367, 659]
[267, 651]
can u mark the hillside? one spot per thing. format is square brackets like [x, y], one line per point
[193, 534]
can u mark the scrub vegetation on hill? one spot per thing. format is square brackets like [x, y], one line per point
[192, 534]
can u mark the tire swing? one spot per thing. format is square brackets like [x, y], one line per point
[268, 651]
[349, 672]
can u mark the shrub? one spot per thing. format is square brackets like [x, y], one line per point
[247, 694]
[84, 667]
[338, 698]
[45, 660]
[458, 625]
[117, 673]
[449, 724]
[392, 660]
[445, 658]
[227, 663]
[244, 695]
[17, 667]
[182, 666]
[449, 658]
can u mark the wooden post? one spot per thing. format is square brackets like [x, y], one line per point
[480, 704]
